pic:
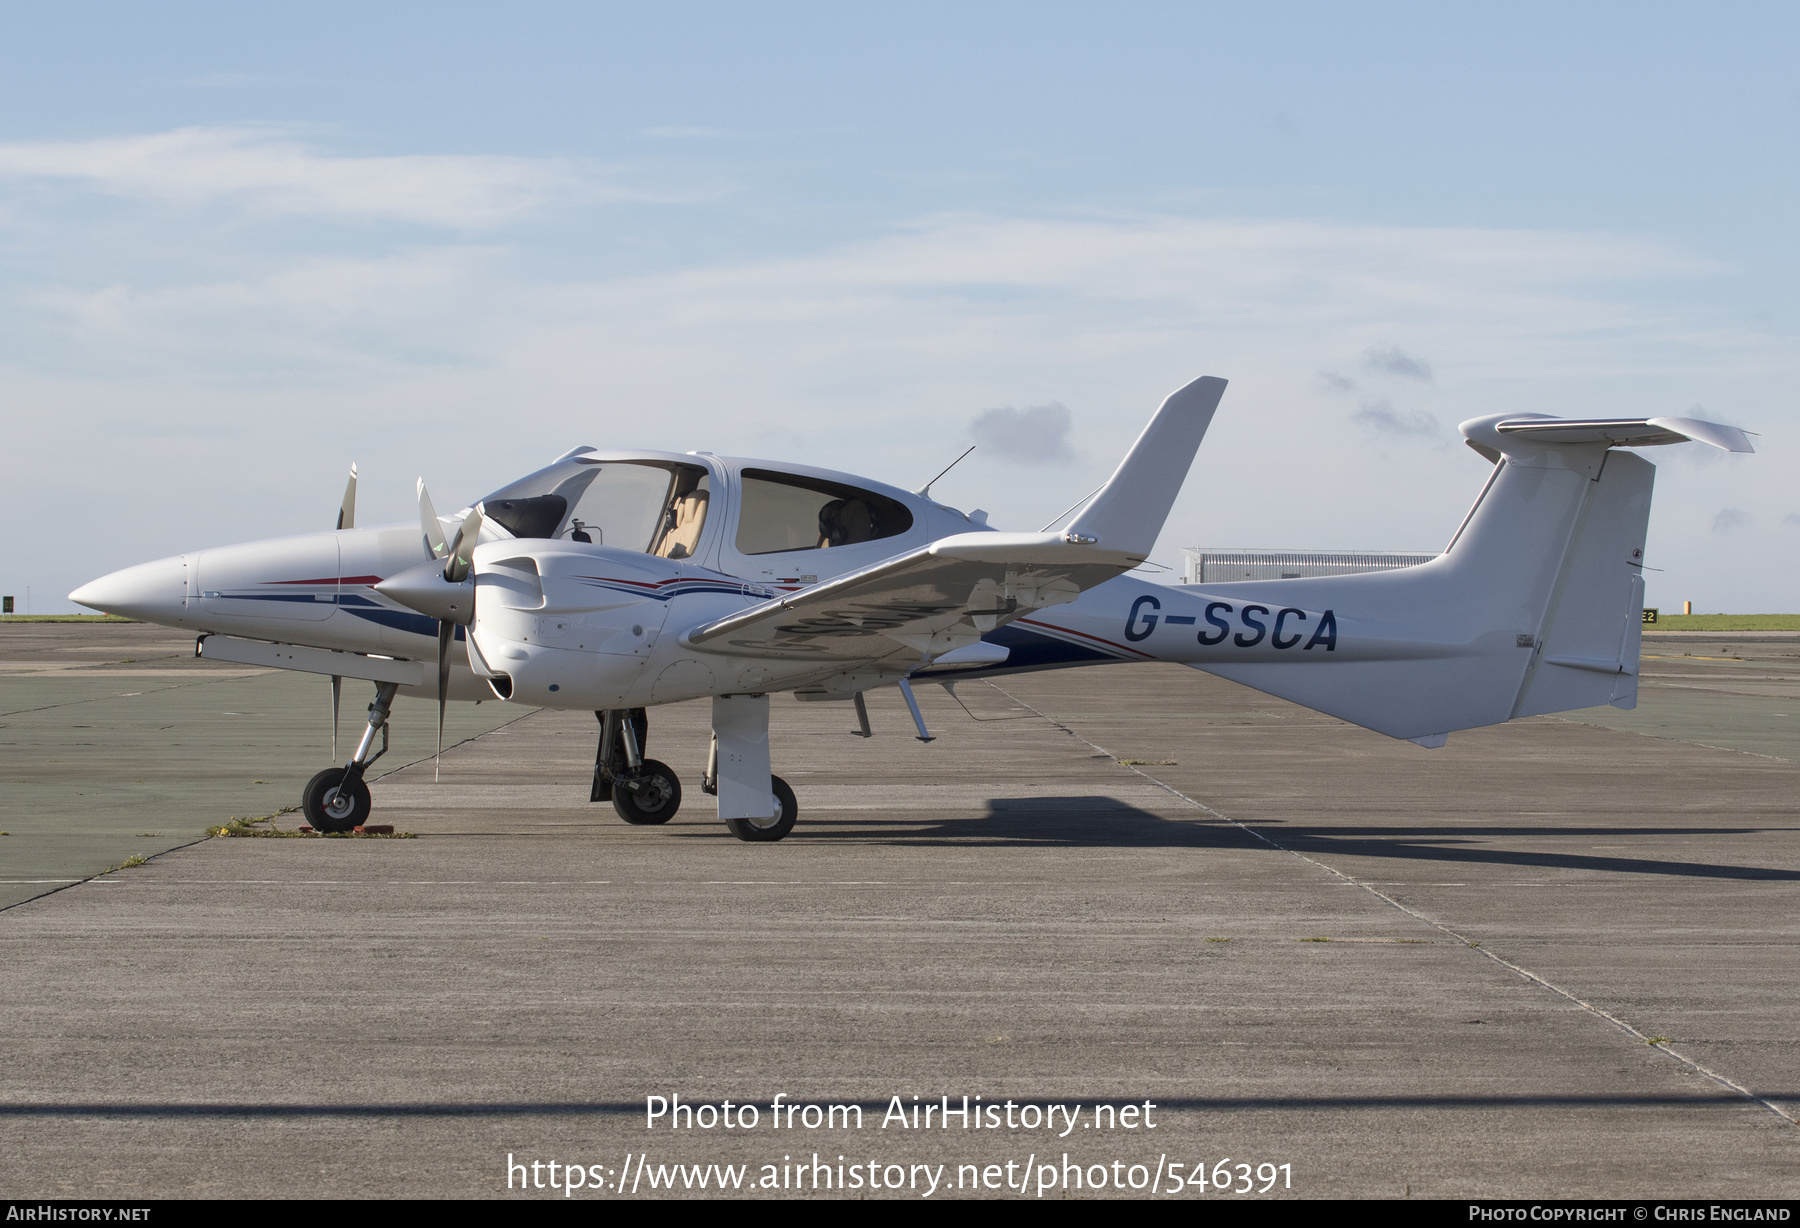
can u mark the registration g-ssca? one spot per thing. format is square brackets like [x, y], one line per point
[1246, 626]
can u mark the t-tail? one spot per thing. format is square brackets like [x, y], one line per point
[1535, 607]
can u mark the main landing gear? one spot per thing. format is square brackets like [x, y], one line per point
[756, 806]
[643, 792]
[337, 800]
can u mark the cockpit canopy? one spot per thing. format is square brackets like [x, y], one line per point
[660, 504]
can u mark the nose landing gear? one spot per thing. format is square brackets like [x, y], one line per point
[337, 800]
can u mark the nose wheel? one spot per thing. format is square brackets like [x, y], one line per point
[337, 800]
[333, 805]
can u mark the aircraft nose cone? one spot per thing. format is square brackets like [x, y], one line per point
[154, 592]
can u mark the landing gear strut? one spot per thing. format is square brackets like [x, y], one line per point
[643, 792]
[337, 800]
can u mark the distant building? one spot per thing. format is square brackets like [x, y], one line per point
[1206, 566]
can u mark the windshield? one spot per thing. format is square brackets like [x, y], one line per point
[650, 506]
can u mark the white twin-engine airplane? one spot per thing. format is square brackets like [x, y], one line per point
[616, 581]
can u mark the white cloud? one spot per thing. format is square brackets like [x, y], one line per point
[1035, 435]
[270, 170]
[1382, 418]
[1392, 360]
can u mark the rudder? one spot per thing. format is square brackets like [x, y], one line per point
[1588, 642]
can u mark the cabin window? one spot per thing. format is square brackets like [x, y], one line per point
[785, 511]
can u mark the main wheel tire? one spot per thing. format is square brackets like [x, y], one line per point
[331, 808]
[652, 795]
[767, 831]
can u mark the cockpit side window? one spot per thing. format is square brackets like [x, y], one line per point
[787, 511]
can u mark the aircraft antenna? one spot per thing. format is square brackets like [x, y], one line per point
[1090, 494]
[925, 490]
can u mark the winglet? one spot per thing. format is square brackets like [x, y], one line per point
[1129, 511]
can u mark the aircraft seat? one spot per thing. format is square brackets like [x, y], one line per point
[846, 522]
[688, 514]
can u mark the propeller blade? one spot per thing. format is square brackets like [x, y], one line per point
[445, 631]
[337, 693]
[347, 512]
[456, 562]
[433, 529]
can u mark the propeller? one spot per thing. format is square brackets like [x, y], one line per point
[346, 520]
[458, 556]
[441, 587]
[347, 512]
[428, 521]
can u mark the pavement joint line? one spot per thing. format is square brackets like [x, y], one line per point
[1663, 737]
[1518, 969]
[416, 762]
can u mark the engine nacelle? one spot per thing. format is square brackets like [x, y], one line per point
[566, 624]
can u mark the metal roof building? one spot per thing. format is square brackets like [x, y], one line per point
[1208, 566]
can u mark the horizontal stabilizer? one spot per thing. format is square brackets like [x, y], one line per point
[1624, 432]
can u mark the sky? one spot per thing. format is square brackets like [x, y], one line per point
[242, 247]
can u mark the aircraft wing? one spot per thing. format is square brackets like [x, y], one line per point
[917, 606]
